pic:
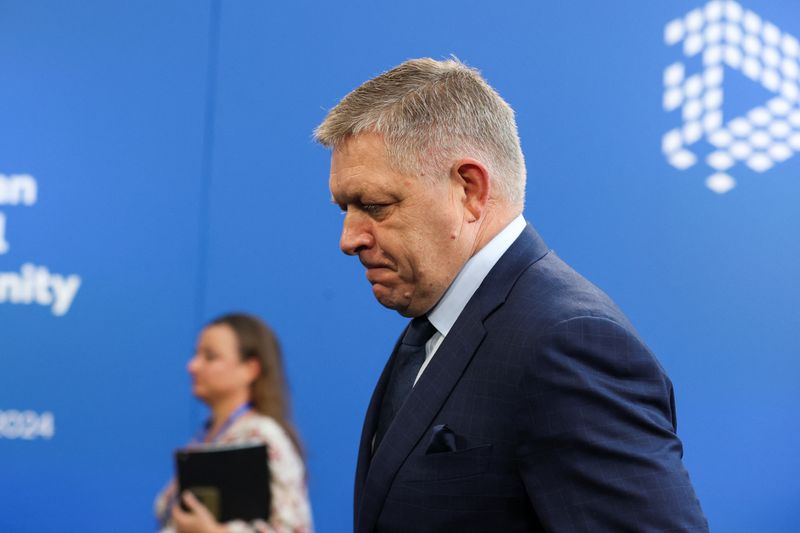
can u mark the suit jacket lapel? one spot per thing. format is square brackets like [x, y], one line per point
[374, 477]
[368, 431]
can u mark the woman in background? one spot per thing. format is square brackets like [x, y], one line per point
[238, 373]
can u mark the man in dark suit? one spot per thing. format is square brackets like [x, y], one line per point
[519, 398]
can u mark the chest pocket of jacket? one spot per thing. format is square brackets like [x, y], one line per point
[445, 465]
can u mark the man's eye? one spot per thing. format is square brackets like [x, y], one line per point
[373, 209]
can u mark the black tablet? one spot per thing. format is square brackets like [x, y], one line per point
[233, 482]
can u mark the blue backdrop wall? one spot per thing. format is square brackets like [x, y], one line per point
[157, 169]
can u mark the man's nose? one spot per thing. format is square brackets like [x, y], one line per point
[191, 366]
[356, 233]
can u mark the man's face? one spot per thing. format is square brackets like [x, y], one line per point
[406, 231]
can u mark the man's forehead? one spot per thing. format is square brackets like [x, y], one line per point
[353, 183]
[346, 174]
[358, 169]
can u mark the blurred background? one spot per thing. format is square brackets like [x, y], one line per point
[157, 169]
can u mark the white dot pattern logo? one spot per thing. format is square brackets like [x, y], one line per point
[722, 33]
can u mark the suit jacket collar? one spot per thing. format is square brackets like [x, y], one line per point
[374, 473]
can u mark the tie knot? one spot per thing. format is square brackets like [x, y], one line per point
[419, 332]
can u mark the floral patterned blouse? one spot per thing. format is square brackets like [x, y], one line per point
[291, 512]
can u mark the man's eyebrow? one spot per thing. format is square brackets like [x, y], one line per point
[340, 204]
[343, 199]
[349, 196]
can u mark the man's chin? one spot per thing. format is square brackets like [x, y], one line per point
[389, 299]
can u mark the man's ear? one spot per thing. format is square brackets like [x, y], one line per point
[473, 177]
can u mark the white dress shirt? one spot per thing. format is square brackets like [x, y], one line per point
[472, 274]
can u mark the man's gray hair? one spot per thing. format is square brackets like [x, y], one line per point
[431, 113]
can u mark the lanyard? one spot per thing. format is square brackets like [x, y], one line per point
[203, 435]
[199, 438]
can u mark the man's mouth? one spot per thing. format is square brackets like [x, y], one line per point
[376, 273]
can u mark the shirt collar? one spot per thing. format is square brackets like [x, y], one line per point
[471, 275]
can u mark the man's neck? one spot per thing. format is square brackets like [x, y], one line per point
[493, 222]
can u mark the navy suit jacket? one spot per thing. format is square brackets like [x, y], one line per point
[542, 410]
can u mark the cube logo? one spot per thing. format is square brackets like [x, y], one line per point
[723, 34]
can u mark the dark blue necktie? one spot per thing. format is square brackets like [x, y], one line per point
[408, 361]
